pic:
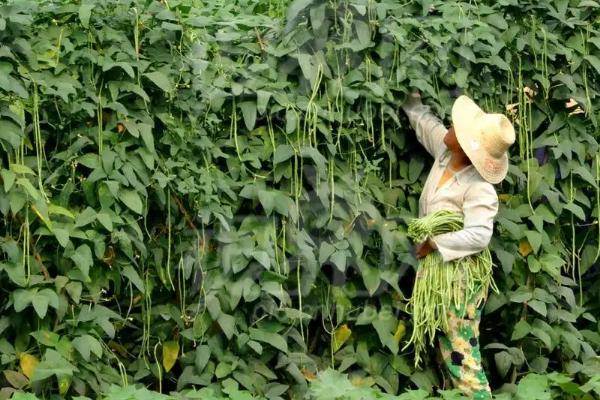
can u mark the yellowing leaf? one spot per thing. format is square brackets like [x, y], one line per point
[58, 210]
[358, 381]
[340, 336]
[64, 383]
[504, 197]
[365, 381]
[308, 375]
[28, 364]
[525, 248]
[170, 353]
[400, 331]
[43, 216]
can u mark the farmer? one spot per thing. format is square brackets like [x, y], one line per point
[470, 157]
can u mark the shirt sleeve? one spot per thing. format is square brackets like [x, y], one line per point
[480, 206]
[429, 129]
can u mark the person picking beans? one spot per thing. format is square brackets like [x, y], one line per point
[470, 157]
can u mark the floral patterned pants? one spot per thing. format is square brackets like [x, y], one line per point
[460, 351]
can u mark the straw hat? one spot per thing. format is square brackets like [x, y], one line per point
[484, 138]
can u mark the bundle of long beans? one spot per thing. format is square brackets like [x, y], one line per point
[440, 285]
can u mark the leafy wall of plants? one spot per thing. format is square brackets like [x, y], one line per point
[215, 193]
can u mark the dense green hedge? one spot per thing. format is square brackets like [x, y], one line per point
[331, 384]
[214, 193]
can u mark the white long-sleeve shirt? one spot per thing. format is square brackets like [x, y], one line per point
[466, 192]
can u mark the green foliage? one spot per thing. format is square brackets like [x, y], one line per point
[334, 385]
[331, 384]
[234, 177]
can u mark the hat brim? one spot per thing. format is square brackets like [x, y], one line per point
[464, 115]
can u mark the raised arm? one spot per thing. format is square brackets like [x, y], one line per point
[480, 206]
[429, 129]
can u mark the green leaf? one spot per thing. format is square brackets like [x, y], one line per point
[415, 167]
[596, 39]
[291, 121]
[132, 199]
[317, 16]
[585, 174]
[53, 365]
[521, 295]
[86, 217]
[273, 339]
[223, 369]
[147, 136]
[318, 158]
[105, 220]
[497, 20]
[572, 341]
[370, 276]
[283, 152]
[227, 324]
[533, 387]
[534, 264]
[133, 277]
[31, 191]
[460, 76]
[594, 61]
[506, 259]
[40, 305]
[539, 364]
[263, 258]
[81, 345]
[267, 200]
[74, 289]
[262, 100]
[53, 209]
[86, 345]
[46, 338]
[543, 295]
[339, 260]
[257, 347]
[425, 382]
[503, 362]
[467, 53]
[552, 264]
[535, 240]
[85, 12]
[201, 324]
[23, 396]
[62, 236]
[284, 205]
[9, 179]
[521, 329]
[22, 298]
[363, 32]
[538, 306]
[543, 336]
[308, 69]
[82, 257]
[11, 84]
[17, 201]
[325, 251]
[249, 114]
[356, 242]
[160, 80]
[202, 356]
[295, 8]
[576, 210]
